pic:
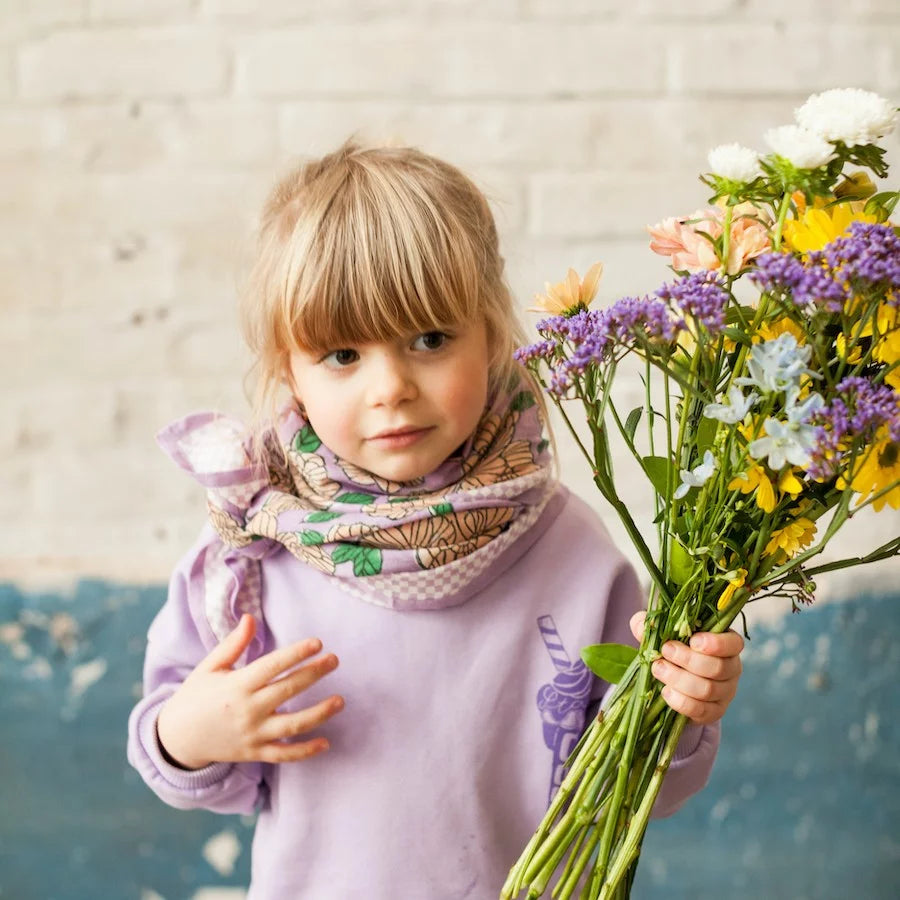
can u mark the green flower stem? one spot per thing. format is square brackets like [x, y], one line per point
[570, 878]
[516, 876]
[637, 538]
[632, 726]
[885, 551]
[558, 844]
[782, 215]
[726, 237]
[638, 824]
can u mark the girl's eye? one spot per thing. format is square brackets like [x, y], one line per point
[431, 340]
[343, 357]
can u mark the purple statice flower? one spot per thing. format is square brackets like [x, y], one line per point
[857, 411]
[777, 272]
[813, 284]
[632, 316]
[554, 327]
[872, 405]
[819, 287]
[701, 295]
[542, 350]
[869, 254]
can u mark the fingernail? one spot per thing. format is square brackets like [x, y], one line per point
[658, 668]
[698, 642]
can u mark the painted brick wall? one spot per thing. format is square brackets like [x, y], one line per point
[138, 139]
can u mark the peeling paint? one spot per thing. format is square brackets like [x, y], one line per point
[85, 675]
[804, 757]
[221, 851]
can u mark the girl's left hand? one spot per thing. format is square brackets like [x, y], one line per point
[701, 677]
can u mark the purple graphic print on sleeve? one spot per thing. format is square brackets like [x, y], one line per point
[562, 702]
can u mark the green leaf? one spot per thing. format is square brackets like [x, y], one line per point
[882, 205]
[343, 553]
[323, 515]
[366, 560]
[739, 336]
[351, 497]
[522, 401]
[631, 423]
[706, 432]
[442, 509]
[306, 440]
[661, 473]
[311, 538]
[608, 661]
[735, 313]
[681, 564]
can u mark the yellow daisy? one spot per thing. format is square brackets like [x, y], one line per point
[570, 295]
[787, 542]
[817, 227]
[878, 471]
[768, 331]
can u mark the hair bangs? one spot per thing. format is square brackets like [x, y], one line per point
[387, 259]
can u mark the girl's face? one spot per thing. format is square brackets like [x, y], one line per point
[397, 408]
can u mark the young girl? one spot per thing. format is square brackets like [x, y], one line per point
[400, 514]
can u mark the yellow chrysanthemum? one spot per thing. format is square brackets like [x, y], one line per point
[840, 347]
[817, 227]
[569, 295]
[877, 471]
[738, 579]
[768, 331]
[755, 479]
[887, 347]
[787, 542]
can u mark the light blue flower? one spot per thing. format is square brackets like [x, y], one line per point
[734, 411]
[777, 365]
[697, 476]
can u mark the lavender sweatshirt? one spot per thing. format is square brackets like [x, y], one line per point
[456, 722]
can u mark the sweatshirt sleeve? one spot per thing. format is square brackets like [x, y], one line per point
[178, 639]
[696, 751]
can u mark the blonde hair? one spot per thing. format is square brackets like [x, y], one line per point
[367, 243]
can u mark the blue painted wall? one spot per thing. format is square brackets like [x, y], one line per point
[804, 802]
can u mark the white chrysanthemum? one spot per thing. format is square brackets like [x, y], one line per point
[850, 115]
[734, 162]
[803, 148]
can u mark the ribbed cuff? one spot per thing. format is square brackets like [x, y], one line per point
[181, 779]
[689, 741]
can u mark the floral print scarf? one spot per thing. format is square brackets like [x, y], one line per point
[409, 545]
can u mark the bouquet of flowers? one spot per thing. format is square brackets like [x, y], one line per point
[771, 416]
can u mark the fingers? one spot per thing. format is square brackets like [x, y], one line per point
[694, 686]
[294, 752]
[728, 644]
[267, 668]
[636, 623]
[701, 679]
[698, 711]
[278, 692]
[287, 725]
[717, 668]
[225, 654]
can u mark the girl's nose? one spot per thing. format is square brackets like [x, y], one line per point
[391, 382]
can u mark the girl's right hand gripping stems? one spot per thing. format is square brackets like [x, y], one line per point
[221, 714]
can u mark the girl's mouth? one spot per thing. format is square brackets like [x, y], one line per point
[403, 437]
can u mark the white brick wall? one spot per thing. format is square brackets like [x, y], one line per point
[137, 140]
